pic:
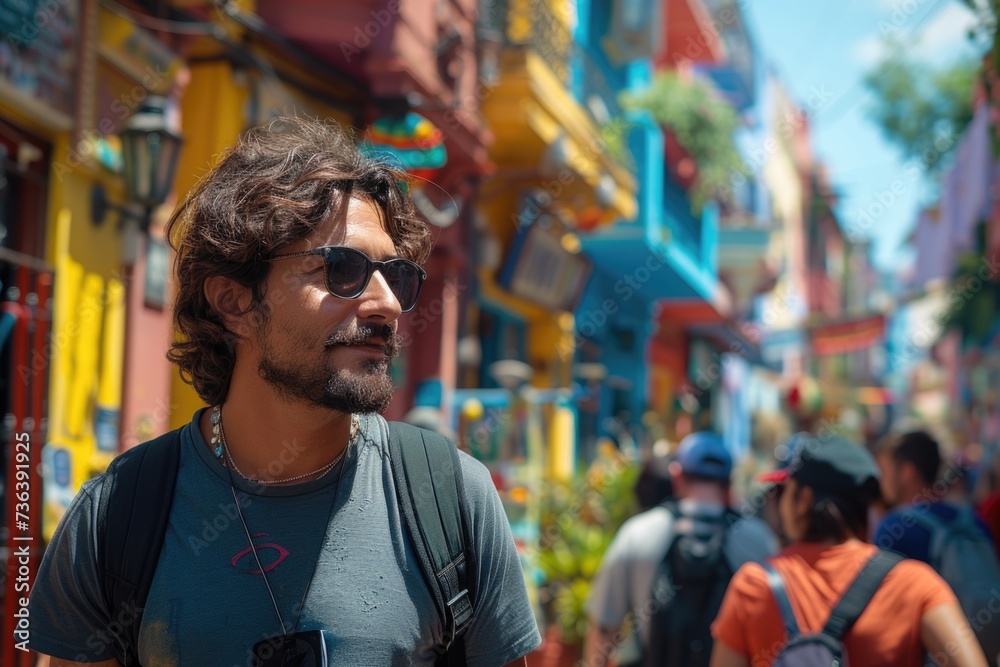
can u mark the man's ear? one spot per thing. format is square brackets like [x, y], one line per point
[908, 475]
[677, 478]
[804, 499]
[231, 302]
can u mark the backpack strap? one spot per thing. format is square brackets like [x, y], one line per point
[133, 509]
[777, 586]
[860, 593]
[926, 519]
[428, 475]
[935, 526]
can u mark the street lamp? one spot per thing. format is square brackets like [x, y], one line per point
[511, 374]
[150, 151]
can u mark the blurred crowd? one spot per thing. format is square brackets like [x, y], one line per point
[878, 554]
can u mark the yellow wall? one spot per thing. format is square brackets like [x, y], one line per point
[85, 351]
[213, 118]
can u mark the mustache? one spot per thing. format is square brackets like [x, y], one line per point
[366, 334]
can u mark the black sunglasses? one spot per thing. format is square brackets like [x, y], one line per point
[300, 649]
[348, 272]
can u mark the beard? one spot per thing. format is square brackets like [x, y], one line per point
[346, 390]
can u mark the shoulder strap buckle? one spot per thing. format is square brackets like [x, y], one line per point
[460, 608]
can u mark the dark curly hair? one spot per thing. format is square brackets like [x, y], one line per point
[274, 187]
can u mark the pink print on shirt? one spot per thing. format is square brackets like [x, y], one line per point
[282, 554]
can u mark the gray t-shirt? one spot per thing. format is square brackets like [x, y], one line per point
[625, 581]
[208, 603]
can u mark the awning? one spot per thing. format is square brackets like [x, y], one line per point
[726, 338]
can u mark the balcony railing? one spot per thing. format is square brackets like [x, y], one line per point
[533, 24]
[685, 228]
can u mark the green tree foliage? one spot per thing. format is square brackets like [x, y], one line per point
[921, 109]
[985, 33]
[704, 125]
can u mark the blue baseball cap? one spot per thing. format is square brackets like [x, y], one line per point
[705, 455]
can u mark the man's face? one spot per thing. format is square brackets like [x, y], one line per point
[793, 507]
[890, 480]
[321, 349]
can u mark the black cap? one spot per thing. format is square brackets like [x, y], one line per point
[835, 466]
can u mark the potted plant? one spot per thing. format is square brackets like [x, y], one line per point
[698, 126]
[579, 520]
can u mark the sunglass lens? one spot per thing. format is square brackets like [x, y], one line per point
[404, 281]
[346, 272]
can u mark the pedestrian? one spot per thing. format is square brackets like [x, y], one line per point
[824, 511]
[933, 521]
[654, 485]
[989, 506]
[768, 498]
[290, 537]
[910, 464]
[667, 568]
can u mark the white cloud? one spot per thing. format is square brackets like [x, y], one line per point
[946, 33]
[869, 51]
[942, 37]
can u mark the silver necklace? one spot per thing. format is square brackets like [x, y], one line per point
[221, 448]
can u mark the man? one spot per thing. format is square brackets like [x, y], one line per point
[288, 331]
[910, 464]
[636, 561]
[949, 536]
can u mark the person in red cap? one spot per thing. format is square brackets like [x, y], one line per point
[909, 613]
[666, 570]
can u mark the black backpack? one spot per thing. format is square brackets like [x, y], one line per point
[826, 648]
[138, 492]
[688, 588]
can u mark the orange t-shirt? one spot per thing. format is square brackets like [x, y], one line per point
[816, 576]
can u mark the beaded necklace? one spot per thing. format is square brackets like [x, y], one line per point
[221, 448]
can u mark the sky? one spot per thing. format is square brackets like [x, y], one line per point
[821, 52]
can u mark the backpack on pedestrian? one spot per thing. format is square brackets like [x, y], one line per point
[688, 588]
[825, 648]
[137, 494]
[966, 560]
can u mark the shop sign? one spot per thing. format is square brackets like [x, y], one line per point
[844, 337]
[541, 270]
